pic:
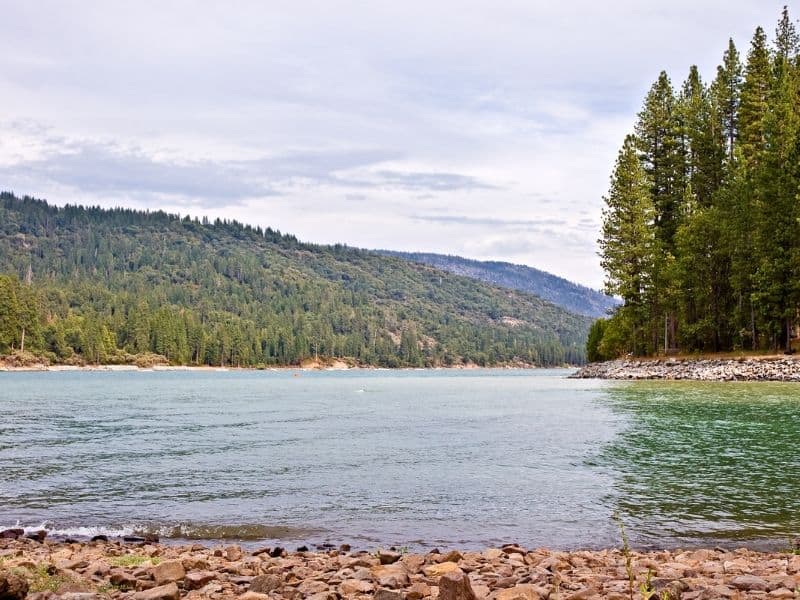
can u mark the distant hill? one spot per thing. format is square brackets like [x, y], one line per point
[571, 296]
[120, 285]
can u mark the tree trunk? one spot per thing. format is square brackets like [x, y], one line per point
[22, 341]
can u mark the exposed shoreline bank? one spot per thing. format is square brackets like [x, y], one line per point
[281, 368]
[152, 571]
[752, 368]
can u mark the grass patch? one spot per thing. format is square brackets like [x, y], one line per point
[132, 560]
[43, 578]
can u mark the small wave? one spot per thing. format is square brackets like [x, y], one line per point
[177, 531]
[79, 531]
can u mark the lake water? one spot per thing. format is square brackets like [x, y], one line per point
[408, 458]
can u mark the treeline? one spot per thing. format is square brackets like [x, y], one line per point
[123, 286]
[701, 233]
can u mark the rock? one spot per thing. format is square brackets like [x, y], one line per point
[675, 587]
[197, 579]
[312, 586]
[12, 587]
[492, 553]
[79, 596]
[455, 586]
[749, 583]
[417, 591]
[37, 535]
[168, 571]
[452, 556]
[390, 576]
[253, 596]
[264, 584]
[782, 593]
[716, 592]
[349, 587]
[233, 553]
[519, 592]
[387, 557]
[323, 596]
[12, 534]
[582, 594]
[99, 538]
[413, 563]
[435, 571]
[277, 552]
[122, 579]
[384, 594]
[161, 592]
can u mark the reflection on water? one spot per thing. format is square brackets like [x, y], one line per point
[701, 460]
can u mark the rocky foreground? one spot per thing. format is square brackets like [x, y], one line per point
[144, 571]
[773, 368]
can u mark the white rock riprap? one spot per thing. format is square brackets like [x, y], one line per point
[780, 368]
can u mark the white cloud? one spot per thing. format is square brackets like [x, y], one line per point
[349, 121]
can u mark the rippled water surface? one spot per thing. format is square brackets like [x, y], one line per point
[416, 458]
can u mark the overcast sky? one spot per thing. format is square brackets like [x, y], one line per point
[485, 129]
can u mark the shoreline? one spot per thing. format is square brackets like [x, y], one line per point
[306, 368]
[749, 368]
[141, 570]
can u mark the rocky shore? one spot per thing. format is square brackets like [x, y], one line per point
[43, 569]
[772, 368]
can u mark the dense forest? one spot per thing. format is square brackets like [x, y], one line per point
[572, 296]
[123, 286]
[701, 232]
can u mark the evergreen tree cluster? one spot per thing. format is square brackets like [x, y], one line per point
[122, 286]
[701, 231]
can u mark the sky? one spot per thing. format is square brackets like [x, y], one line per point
[483, 129]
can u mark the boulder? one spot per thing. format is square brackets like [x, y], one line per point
[388, 557]
[350, 587]
[524, 591]
[161, 592]
[12, 534]
[384, 594]
[417, 591]
[749, 583]
[413, 563]
[122, 579]
[492, 553]
[12, 587]
[436, 571]
[197, 579]
[455, 586]
[168, 571]
[253, 596]
[390, 576]
[233, 553]
[264, 584]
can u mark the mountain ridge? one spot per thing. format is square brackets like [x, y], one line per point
[574, 297]
[113, 284]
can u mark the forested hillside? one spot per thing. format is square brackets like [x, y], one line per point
[106, 286]
[701, 234]
[566, 294]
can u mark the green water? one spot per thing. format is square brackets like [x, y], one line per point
[706, 461]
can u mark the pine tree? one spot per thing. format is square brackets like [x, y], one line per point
[627, 245]
[658, 140]
[755, 99]
[725, 92]
[778, 274]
